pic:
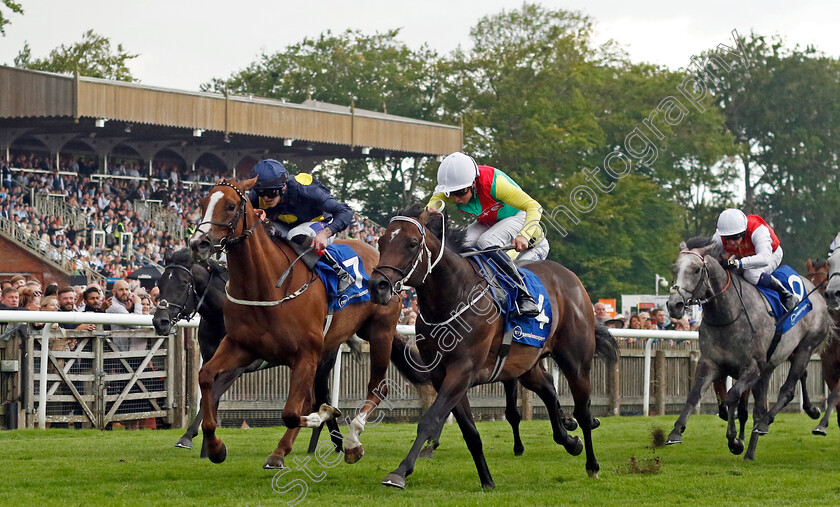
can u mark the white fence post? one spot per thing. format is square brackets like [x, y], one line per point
[42, 387]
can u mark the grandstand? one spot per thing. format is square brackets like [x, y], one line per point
[101, 177]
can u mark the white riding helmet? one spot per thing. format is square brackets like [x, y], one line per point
[731, 221]
[457, 171]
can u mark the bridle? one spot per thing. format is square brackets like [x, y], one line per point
[704, 277]
[228, 242]
[163, 304]
[398, 285]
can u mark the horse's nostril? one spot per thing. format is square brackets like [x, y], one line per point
[382, 285]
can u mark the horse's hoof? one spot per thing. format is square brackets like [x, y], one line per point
[762, 428]
[576, 447]
[488, 485]
[595, 423]
[736, 446]
[518, 450]
[394, 480]
[184, 443]
[273, 462]
[334, 412]
[570, 423]
[353, 454]
[820, 431]
[593, 474]
[426, 452]
[813, 412]
[674, 438]
[220, 456]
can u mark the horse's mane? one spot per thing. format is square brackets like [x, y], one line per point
[455, 236]
[702, 242]
[182, 257]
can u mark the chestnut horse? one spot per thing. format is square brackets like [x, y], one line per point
[462, 353]
[284, 325]
[188, 287]
[830, 357]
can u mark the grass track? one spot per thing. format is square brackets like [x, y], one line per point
[144, 468]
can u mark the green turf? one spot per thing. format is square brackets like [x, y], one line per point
[143, 467]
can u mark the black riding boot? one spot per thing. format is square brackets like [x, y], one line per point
[525, 304]
[345, 279]
[789, 299]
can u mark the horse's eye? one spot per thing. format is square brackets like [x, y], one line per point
[412, 243]
[231, 207]
[695, 270]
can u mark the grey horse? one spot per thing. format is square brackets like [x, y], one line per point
[734, 337]
[831, 356]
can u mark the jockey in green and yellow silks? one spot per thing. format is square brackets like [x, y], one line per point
[504, 215]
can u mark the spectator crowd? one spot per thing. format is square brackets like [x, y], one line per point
[109, 206]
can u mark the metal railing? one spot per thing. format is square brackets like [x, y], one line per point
[47, 252]
[54, 205]
[163, 218]
[93, 378]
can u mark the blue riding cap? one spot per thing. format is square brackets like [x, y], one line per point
[270, 174]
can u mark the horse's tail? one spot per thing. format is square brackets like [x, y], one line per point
[400, 354]
[606, 345]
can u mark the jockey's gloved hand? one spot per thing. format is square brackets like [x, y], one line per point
[731, 263]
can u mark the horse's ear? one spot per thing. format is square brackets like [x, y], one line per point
[683, 246]
[247, 184]
[810, 265]
[423, 218]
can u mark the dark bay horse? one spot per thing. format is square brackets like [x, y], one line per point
[461, 348]
[735, 336]
[282, 325]
[818, 274]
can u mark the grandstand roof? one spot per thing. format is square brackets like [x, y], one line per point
[46, 103]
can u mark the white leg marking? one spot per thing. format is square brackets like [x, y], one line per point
[356, 427]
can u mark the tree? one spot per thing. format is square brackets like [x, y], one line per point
[543, 103]
[374, 72]
[632, 234]
[784, 112]
[12, 6]
[92, 57]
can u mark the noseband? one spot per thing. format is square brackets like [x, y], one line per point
[228, 242]
[704, 277]
[165, 305]
[399, 285]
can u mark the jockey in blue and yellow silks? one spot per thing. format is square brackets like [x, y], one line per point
[504, 215]
[306, 205]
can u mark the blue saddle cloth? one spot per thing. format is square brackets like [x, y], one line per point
[793, 282]
[358, 292]
[527, 331]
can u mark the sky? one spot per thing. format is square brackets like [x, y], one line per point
[185, 43]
